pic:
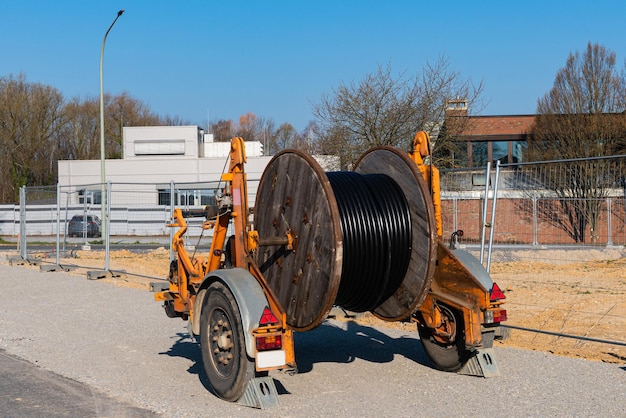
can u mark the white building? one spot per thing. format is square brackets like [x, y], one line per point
[159, 164]
[156, 156]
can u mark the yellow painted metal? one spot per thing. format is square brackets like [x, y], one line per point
[191, 272]
[421, 149]
[453, 285]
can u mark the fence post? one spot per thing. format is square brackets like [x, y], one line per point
[58, 243]
[493, 215]
[23, 223]
[67, 207]
[455, 215]
[107, 231]
[535, 227]
[485, 207]
[84, 231]
[609, 222]
[172, 207]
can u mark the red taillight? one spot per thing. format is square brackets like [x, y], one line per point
[495, 294]
[499, 316]
[268, 318]
[269, 342]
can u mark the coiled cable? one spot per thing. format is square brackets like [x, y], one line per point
[376, 232]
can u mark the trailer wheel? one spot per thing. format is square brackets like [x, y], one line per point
[222, 342]
[445, 346]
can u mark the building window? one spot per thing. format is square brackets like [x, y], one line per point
[480, 153]
[165, 197]
[500, 151]
[207, 197]
[520, 151]
[89, 197]
[188, 197]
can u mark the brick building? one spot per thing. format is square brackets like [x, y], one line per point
[487, 138]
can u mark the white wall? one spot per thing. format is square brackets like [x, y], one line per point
[222, 149]
[144, 141]
[152, 172]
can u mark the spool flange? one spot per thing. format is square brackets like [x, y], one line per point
[416, 283]
[295, 196]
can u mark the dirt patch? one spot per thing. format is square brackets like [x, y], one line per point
[580, 293]
[577, 298]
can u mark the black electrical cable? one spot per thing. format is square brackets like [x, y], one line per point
[376, 233]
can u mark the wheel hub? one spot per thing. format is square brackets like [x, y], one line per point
[445, 333]
[221, 343]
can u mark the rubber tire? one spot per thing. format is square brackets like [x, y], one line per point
[447, 357]
[228, 381]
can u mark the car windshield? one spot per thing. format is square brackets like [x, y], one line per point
[79, 218]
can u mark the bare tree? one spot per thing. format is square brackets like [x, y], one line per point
[30, 117]
[38, 127]
[385, 110]
[248, 127]
[223, 130]
[285, 137]
[310, 139]
[124, 110]
[582, 116]
[266, 133]
[442, 85]
[80, 135]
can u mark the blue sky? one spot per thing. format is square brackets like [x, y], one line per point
[222, 59]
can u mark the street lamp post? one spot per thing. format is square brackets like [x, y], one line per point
[102, 155]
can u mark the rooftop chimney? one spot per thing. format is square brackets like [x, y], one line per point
[456, 107]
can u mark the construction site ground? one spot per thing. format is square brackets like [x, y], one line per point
[568, 292]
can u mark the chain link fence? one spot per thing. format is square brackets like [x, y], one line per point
[557, 229]
[554, 203]
[57, 221]
[571, 204]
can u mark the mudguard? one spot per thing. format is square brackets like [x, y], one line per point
[477, 270]
[249, 295]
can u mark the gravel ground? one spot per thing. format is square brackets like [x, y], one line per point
[119, 341]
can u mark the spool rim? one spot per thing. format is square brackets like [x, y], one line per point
[308, 300]
[333, 240]
[404, 171]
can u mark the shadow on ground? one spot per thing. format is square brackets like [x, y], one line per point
[338, 342]
[331, 342]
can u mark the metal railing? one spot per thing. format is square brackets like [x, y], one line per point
[516, 206]
[569, 202]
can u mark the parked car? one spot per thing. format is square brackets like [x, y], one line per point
[76, 227]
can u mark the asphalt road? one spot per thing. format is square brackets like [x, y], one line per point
[27, 391]
[116, 343]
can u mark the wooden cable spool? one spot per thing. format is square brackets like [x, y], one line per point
[296, 196]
